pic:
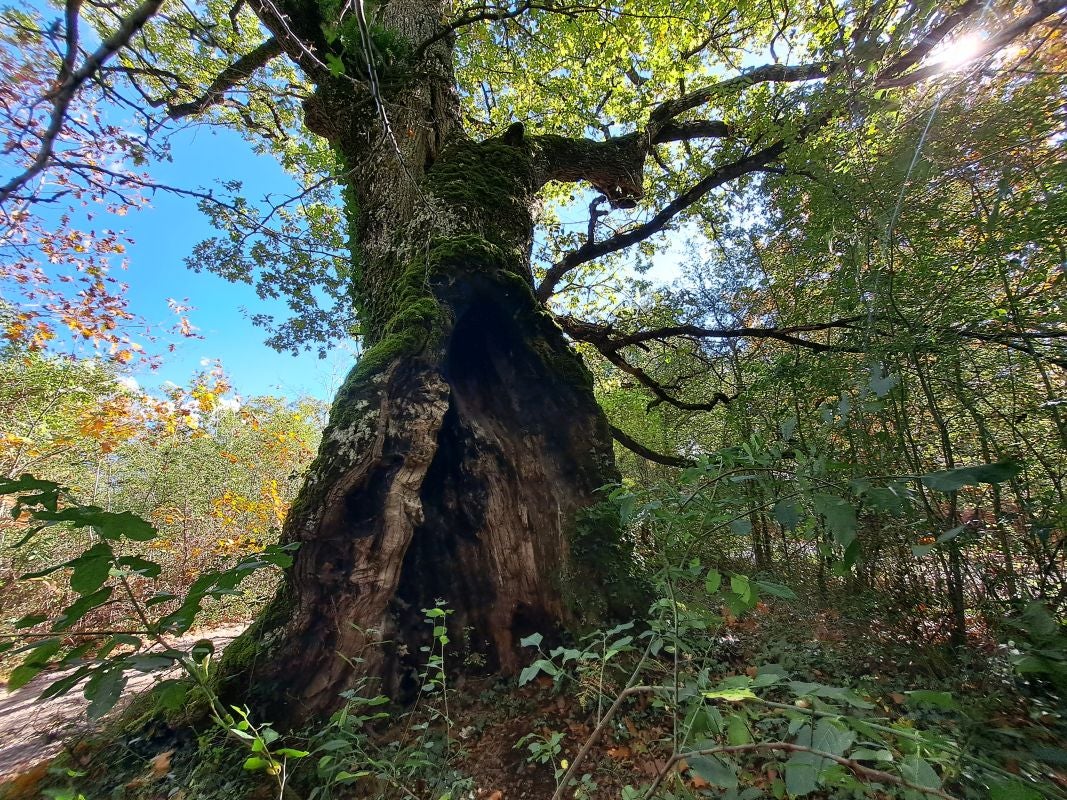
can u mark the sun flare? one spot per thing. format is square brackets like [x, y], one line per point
[954, 54]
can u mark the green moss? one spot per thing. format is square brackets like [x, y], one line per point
[563, 361]
[238, 660]
[488, 177]
[603, 582]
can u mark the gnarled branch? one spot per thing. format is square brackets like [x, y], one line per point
[592, 250]
[237, 72]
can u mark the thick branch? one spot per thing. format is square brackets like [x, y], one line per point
[237, 72]
[637, 448]
[591, 250]
[695, 129]
[64, 94]
[297, 26]
[931, 40]
[768, 73]
[785, 334]
[1039, 12]
[615, 166]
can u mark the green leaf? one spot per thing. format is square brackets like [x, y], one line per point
[713, 581]
[171, 694]
[776, 589]
[742, 587]
[66, 683]
[840, 516]
[289, 752]
[532, 671]
[881, 382]
[30, 620]
[950, 480]
[141, 566]
[91, 568]
[80, 607]
[716, 771]
[335, 65]
[787, 514]
[741, 527]
[1013, 790]
[103, 690]
[831, 736]
[802, 774]
[915, 769]
[533, 640]
[108, 524]
[149, 663]
[737, 729]
[927, 697]
[40, 652]
[254, 763]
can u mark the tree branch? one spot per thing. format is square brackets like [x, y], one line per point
[591, 250]
[596, 336]
[614, 166]
[637, 448]
[1039, 12]
[64, 94]
[855, 767]
[931, 40]
[695, 129]
[237, 72]
[768, 73]
[785, 334]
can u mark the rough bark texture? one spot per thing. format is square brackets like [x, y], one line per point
[466, 443]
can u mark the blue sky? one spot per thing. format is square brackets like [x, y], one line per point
[165, 234]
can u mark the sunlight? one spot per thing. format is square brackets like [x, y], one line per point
[954, 54]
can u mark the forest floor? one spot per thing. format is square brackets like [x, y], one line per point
[494, 723]
[32, 730]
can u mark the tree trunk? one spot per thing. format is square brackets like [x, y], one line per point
[466, 445]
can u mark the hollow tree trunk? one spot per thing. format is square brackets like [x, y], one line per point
[466, 444]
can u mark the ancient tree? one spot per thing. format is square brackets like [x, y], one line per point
[465, 450]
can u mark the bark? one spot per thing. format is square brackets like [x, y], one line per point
[463, 454]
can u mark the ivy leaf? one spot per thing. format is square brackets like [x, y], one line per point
[337, 69]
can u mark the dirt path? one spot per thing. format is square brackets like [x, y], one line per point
[33, 730]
